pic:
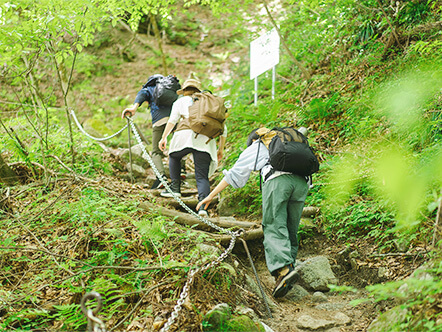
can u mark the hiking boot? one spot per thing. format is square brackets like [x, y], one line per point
[175, 187]
[203, 212]
[158, 184]
[287, 277]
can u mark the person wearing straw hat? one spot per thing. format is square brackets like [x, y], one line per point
[283, 197]
[185, 141]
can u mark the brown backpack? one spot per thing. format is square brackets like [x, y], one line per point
[206, 115]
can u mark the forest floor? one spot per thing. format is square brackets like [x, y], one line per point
[127, 80]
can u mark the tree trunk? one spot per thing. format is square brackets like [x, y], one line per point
[160, 44]
[7, 175]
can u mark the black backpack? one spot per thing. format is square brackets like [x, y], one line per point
[289, 151]
[165, 90]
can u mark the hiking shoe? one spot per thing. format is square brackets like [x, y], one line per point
[158, 184]
[175, 187]
[165, 193]
[202, 212]
[285, 281]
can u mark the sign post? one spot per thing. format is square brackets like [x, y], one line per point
[264, 54]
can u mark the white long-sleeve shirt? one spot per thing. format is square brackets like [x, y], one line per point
[186, 138]
[254, 158]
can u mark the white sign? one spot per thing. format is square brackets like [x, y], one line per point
[264, 53]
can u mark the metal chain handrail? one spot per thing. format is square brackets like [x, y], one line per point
[234, 235]
[192, 273]
[166, 185]
[340, 182]
[94, 324]
[80, 127]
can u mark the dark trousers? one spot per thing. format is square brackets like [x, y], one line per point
[202, 162]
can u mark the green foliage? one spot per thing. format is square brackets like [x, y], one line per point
[414, 12]
[417, 295]
[247, 201]
[320, 110]
[361, 219]
[71, 316]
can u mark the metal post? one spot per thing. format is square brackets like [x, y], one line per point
[273, 81]
[257, 278]
[256, 91]
[130, 151]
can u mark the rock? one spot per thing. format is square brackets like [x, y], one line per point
[216, 318]
[401, 245]
[382, 271]
[221, 319]
[342, 319]
[297, 293]
[224, 208]
[389, 320]
[316, 273]
[310, 323]
[243, 324]
[137, 170]
[319, 297]
[137, 157]
[251, 283]
[307, 223]
[313, 323]
[247, 312]
[210, 251]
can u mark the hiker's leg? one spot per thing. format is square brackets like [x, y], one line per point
[294, 210]
[175, 162]
[202, 163]
[277, 246]
[157, 154]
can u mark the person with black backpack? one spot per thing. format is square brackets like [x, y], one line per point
[283, 196]
[160, 93]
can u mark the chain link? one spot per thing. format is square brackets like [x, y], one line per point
[94, 324]
[94, 138]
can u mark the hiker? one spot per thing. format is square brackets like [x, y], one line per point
[160, 114]
[283, 197]
[185, 141]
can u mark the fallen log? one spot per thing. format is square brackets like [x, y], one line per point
[189, 201]
[187, 219]
[224, 239]
[184, 193]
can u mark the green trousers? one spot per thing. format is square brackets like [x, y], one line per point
[282, 202]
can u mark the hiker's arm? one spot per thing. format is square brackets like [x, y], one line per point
[162, 144]
[222, 143]
[130, 111]
[249, 160]
[206, 201]
[142, 96]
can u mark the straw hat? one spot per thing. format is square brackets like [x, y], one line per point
[190, 83]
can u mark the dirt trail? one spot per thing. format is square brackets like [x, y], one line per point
[286, 311]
